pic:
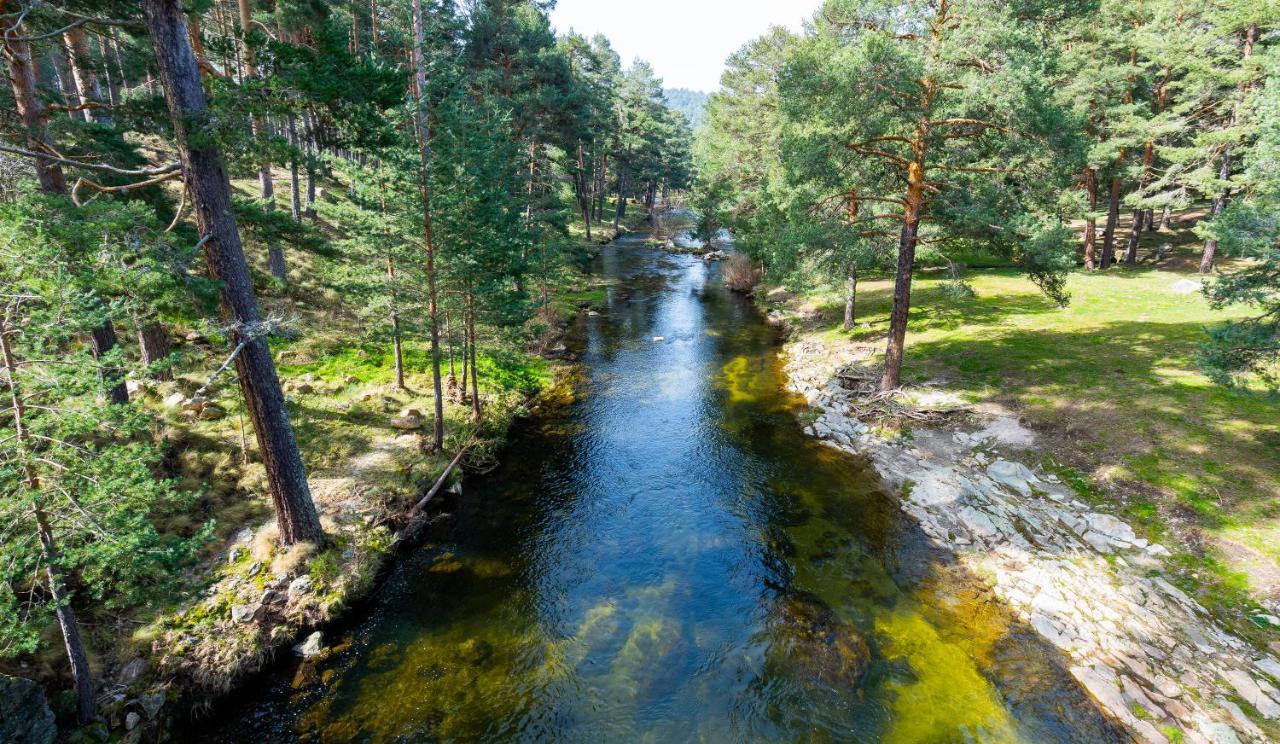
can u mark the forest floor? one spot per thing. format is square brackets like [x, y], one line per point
[1111, 386]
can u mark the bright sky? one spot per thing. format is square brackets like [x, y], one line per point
[686, 41]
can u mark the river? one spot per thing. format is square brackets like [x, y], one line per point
[668, 558]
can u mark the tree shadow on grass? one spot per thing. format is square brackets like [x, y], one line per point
[1130, 387]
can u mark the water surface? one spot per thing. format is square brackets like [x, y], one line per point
[669, 559]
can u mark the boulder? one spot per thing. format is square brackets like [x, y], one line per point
[242, 613]
[212, 413]
[133, 671]
[151, 704]
[175, 401]
[25, 717]
[299, 587]
[408, 423]
[132, 720]
[310, 648]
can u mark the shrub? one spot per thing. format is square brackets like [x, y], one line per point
[739, 274]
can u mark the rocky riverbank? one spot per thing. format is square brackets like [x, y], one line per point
[1152, 657]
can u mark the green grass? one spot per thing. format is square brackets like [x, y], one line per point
[1112, 382]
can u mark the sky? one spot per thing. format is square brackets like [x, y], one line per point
[686, 41]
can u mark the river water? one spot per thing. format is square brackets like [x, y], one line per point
[669, 558]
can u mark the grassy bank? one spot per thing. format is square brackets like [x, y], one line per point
[1111, 384]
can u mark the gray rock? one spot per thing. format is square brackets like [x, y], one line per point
[299, 587]
[151, 704]
[312, 647]
[1013, 474]
[25, 717]
[132, 720]
[132, 671]
[242, 613]
[1112, 528]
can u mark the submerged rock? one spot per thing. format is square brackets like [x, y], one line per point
[25, 717]
[818, 646]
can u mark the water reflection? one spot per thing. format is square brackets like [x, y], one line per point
[669, 559]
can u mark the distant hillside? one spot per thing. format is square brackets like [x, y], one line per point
[691, 103]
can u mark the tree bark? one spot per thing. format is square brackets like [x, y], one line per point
[211, 197]
[22, 78]
[1109, 232]
[1091, 223]
[1224, 169]
[86, 707]
[87, 88]
[424, 131]
[622, 200]
[907, 241]
[850, 298]
[477, 409]
[103, 341]
[153, 340]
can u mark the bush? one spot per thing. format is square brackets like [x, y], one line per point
[739, 274]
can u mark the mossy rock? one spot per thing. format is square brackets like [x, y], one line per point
[817, 646]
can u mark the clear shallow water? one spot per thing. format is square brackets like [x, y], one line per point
[669, 559]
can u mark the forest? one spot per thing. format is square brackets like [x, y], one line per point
[280, 280]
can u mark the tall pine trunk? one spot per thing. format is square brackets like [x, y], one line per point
[1091, 223]
[1224, 169]
[850, 297]
[1109, 232]
[907, 240]
[22, 78]
[424, 138]
[87, 88]
[211, 198]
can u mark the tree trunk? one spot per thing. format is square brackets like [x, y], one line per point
[1219, 203]
[22, 78]
[295, 196]
[61, 79]
[87, 88]
[113, 85]
[1135, 237]
[1091, 223]
[622, 200]
[1224, 170]
[424, 130]
[850, 298]
[907, 240]
[103, 340]
[1164, 218]
[477, 409]
[119, 59]
[1109, 232]
[211, 198]
[86, 708]
[153, 340]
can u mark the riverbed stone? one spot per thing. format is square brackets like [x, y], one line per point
[312, 647]
[25, 717]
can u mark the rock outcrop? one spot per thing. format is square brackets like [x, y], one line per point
[25, 717]
[1151, 656]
